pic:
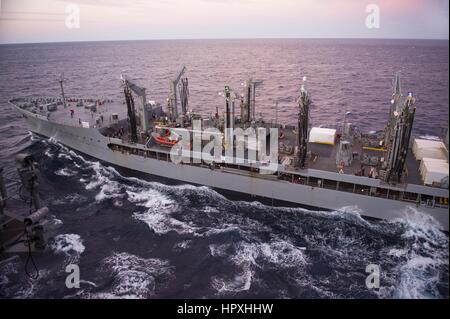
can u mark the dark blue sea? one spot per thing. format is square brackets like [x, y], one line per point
[134, 236]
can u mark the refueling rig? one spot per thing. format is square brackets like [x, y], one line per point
[382, 172]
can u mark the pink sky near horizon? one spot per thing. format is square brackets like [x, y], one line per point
[44, 20]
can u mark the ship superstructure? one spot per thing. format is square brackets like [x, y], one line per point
[382, 173]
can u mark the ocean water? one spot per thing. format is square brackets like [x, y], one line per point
[138, 237]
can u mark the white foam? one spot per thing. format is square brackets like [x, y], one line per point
[418, 278]
[158, 214]
[70, 199]
[240, 282]
[424, 262]
[421, 225]
[53, 140]
[283, 254]
[117, 203]
[218, 250]
[209, 209]
[107, 191]
[65, 156]
[65, 172]
[51, 223]
[185, 244]
[48, 153]
[397, 252]
[225, 229]
[251, 256]
[352, 214]
[133, 277]
[150, 198]
[68, 244]
[162, 223]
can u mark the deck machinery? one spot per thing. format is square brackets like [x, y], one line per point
[304, 103]
[398, 135]
[395, 143]
[173, 96]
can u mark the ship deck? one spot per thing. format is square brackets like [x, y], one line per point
[81, 114]
[323, 157]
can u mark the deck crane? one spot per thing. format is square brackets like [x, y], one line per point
[398, 146]
[304, 104]
[173, 98]
[131, 109]
[396, 106]
[248, 101]
[61, 84]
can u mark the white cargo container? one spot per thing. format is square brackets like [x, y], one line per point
[321, 135]
[84, 124]
[433, 170]
[429, 149]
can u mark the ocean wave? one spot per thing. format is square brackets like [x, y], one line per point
[249, 258]
[410, 249]
[48, 153]
[65, 172]
[13, 283]
[422, 265]
[70, 199]
[8, 267]
[133, 277]
[69, 245]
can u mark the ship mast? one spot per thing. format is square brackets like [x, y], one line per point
[248, 102]
[229, 116]
[173, 97]
[131, 112]
[304, 103]
[395, 107]
[61, 81]
[184, 95]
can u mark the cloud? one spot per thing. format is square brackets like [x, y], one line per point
[172, 19]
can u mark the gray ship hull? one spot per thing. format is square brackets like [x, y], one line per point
[89, 141]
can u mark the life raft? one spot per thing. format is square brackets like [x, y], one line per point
[163, 141]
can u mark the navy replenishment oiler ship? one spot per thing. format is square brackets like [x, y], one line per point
[381, 173]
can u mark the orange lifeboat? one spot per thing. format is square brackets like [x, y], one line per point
[164, 141]
[165, 137]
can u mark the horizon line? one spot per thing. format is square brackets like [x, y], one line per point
[224, 38]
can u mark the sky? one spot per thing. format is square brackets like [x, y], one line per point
[25, 21]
